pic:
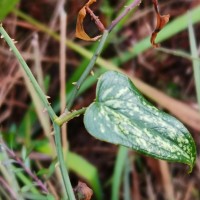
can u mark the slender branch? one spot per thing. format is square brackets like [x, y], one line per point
[96, 19]
[8, 188]
[51, 112]
[63, 69]
[28, 73]
[26, 169]
[64, 171]
[88, 68]
[67, 116]
[99, 49]
[155, 3]
[123, 14]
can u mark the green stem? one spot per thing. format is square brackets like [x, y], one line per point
[88, 68]
[51, 112]
[28, 73]
[63, 169]
[67, 116]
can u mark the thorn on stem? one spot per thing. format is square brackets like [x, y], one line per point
[92, 73]
[14, 41]
[44, 110]
[52, 133]
[57, 164]
[76, 84]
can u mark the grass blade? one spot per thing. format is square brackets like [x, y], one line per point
[195, 63]
[117, 175]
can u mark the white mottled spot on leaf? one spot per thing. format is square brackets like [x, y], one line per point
[106, 92]
[121, 92]
[102, 128]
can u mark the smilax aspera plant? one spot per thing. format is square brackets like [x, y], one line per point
[119, 114]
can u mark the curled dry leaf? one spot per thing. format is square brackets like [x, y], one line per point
[80, 32]
[162, 20]
[83, 192]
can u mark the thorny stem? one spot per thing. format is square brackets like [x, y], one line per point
[28, 73]
[63, 169]
[98, 50]
[96, 19]
[26, 169]
[74, 93]
[123, 14]
[88, 69]
[50, 110]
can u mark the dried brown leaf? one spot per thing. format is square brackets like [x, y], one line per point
[162, 20]
[80, 32]
[83, 192]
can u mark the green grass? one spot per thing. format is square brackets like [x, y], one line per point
[195, 62]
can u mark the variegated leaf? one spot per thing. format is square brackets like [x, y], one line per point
[121, 115]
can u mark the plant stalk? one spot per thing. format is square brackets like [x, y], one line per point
[28, 73]
[67, 116]
[88, 69]
[63, 169]
[99, 49]
[50, 110]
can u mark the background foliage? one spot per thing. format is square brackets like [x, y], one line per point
[169, 79]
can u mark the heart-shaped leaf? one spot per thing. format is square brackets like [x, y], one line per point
[121, 115]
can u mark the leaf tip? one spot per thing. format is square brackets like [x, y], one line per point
[192, 159]
[191, 166]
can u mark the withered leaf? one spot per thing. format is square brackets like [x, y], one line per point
[162, 20]
[83, 192]
[80, 32]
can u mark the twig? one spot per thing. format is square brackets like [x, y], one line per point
[51, 113]
[28, 72]
[123, 14]
[96, 19]
[88, 68]
[155, 3]
[37, 59]
[26, 169]
[166, 179]
[99, 48]
[51, 25]
[50, 185]
[44, 119]
[182, 111]
[8, 188]
[63, 47]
